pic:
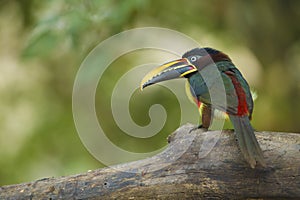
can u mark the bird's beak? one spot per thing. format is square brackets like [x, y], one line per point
[171, 70]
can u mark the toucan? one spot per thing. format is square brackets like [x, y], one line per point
[215, 85]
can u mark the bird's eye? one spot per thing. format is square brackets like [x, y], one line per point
[193, 59]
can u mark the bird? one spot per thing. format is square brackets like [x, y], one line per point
[202, 67]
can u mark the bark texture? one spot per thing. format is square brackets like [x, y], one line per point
[197, 164]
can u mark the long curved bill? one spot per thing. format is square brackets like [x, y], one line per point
[171, 70]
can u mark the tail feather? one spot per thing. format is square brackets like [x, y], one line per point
[247, 140]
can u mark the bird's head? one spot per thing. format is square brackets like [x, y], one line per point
[191, 62]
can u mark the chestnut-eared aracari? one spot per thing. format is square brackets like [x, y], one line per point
[237, 96]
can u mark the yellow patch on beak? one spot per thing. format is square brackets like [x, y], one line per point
[156, 72]
[174, 69]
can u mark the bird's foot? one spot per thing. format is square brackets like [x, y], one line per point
[198, 127]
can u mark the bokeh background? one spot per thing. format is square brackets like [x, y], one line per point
[44, 42]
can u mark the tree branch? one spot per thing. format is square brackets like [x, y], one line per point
[187, 168]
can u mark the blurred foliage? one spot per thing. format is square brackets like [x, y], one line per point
[44, 42]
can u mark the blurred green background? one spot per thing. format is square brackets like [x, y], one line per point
[44, 42]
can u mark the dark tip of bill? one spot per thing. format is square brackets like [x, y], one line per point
[146, 84]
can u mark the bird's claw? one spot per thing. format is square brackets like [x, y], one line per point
[197, 127]
[200, 126]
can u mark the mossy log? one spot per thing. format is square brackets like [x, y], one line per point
[189, 168]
